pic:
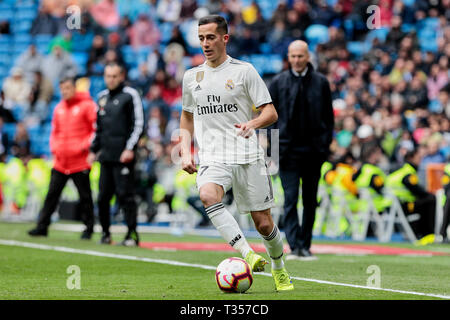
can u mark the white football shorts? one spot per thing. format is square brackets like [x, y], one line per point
[251, 184]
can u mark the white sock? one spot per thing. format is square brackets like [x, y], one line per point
[274, 247]
[229, 229]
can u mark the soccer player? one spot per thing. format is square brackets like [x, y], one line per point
[217, 101]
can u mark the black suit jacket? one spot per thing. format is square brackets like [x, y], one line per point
[284, 90]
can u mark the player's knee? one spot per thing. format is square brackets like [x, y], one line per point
[209, 196]
[264, 227]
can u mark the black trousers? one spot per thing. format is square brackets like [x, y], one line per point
[446, 217]
[117, 179]
[426, 208]
[306, 168]
[57, 182]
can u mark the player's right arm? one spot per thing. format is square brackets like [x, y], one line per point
[186, 133]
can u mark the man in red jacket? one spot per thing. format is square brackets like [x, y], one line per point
[73, 127]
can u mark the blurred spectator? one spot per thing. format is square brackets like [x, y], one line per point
[124, 30]
[156, 125]
[444, 101]
[213, 6]
[436, 81]
[5, 114]
[280, 13]
[4, 147]
[323, 14]
[188, 8]
[105, 13]
[143, 79]
[172, 125]
[41, 95]
[16, 88]
[156, 101]
[154, 62]
[64, 41]
[168, 10]
[95, 63]
[248, 43]
[395, 34]
[45, 22]
[30, 61]
[144, 32]
[58, 64]
[4, 27]
[416, 94]
[276, 37]
[21, 144]
[177, 37]
[171, 92]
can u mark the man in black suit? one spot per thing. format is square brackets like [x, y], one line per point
[302, 98]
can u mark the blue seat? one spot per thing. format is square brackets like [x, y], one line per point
[357, 48]
[5, 39]
[379, 33]
[273, 64]
[5, 58]
[5, 48]
[23, 38]
[26, 14]
[20, 48]
[41, 39]
[317, 33]
[166, 31]
[22, 26]
[10, 129]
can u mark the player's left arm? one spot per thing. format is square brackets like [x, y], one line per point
[259, 94]
[266, 117]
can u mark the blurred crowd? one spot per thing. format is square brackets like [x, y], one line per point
[395, 94]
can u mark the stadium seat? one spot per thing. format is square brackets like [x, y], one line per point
[26, 14]
[316, 34]
[274, 63]
[22, 26]
[379, 33]
[80, 59]
[5, 48]
[357, 48]
[22, 38]
[5, 39]
[10, 129]
[166, 31]
[5, 58]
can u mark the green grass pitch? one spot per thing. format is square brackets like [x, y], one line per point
[34, 274]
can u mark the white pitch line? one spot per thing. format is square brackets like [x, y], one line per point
[193, 265]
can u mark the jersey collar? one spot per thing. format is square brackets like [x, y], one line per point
[219, 67]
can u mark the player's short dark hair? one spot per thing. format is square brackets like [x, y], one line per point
[67, 79]
[222, 25]
[116, 64]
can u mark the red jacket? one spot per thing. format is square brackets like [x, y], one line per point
[73, 127]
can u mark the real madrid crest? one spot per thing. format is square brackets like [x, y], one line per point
[102, 102]
[229, 85]
[199, 76]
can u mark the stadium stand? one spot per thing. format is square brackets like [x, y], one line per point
[371, 71]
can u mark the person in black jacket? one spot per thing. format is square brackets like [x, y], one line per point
[120, 122]
[302, 98]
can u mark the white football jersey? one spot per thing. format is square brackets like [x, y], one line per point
[219, 98]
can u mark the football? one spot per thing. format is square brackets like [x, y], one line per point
[234, 275]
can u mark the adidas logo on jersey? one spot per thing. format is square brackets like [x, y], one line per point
[198, 88]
